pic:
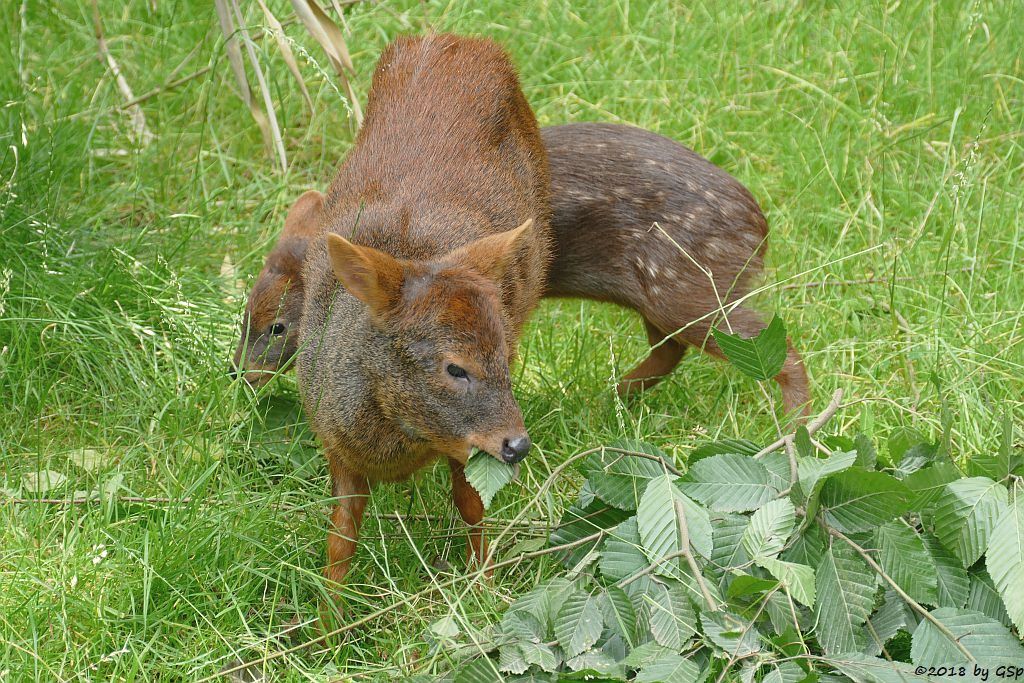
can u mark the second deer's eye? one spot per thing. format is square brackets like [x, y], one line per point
[457, 372]
[277, 329]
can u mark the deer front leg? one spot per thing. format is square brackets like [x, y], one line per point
[471, 508]
[350, 491]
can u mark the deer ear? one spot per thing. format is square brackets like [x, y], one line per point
[373, 277]
[491, 255]
[303, 219]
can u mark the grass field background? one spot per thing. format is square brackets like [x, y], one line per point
[885, 143]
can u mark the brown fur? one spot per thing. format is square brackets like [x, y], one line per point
[437, 231]
[610, 185]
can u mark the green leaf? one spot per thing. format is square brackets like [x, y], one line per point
[862, 668]
[760, 357]
[487, 475]
[785, 672]
[929, 483]
[479, 670]
[813, 471]
[861, 500]
[738, 637]
[886, 622]
[622, 555]
[769, 528]
[966, 515]
[846, 590]
[807, 548]
[594, 664]
[867, 456]
[670, 668]
[90, 459]
[511, 659]
[745, 584]
[741, 446]
[642, 655]
[728, 551]
[729, 483]
[619, 615]
[619, 479]
[903, 556]
[777, 464]
[579, 623]
[797, 578]
[671, 615]
[988, 641]
[1000, 464]
[950, 576]
[1005, 561]
[578, 523]
[983, 597]
[658, 524]
[540, 654]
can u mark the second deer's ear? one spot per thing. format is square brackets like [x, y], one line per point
[303, 219]
[491, 255]
[373, 277]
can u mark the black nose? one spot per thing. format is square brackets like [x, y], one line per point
[515, 449]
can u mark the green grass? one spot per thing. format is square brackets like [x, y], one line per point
[884, 145]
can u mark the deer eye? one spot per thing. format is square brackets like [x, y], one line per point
[457, 372]
[277, 329]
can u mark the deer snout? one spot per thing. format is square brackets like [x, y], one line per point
[515, 448]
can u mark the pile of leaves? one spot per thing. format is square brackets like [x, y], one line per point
[814, 561]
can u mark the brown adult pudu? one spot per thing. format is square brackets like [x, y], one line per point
[610, 185]
[438, 233]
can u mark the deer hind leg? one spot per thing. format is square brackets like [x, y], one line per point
[665, 355]
[792, 379]
[471, 509]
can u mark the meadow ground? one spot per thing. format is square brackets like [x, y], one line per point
[886, 145]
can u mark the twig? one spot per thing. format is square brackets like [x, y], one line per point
[141, 134]
[684, 544]
[675, 554]
[914, 604]
[812, 426]
[406, 600]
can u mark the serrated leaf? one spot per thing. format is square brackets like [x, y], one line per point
[479, 670]
[619, 479]
[950, 576]
[1004, 560]
[728, 551]
[738, 637]
[860, 500]
[643, 655]
[916, 457]
[445, 627]
[760, 357]
[903, 556]
[741, 446]
[511, 660]
[846, 590]
[867, 456]
[577, 523]
[579, 623]
[966, 515]
[885, 623]
[487, 475]
[983, 597]
[769, 528]
[729, 483]
[777, 464]
[671, 616]
[540, 655]
[807, 548]
[797, 578]
[785, 672]
[862, 668]
[670, 668]
[659, 526]
[745, 584]
[813, 471]
[621, 555]
[619, 615]
[595, 664]
[42, 481]
[928, 484]
[988, 641]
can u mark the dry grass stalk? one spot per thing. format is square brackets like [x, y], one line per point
[330, 37]
[141, 134]
[286, 50]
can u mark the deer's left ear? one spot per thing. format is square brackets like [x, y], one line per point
[491, 255]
